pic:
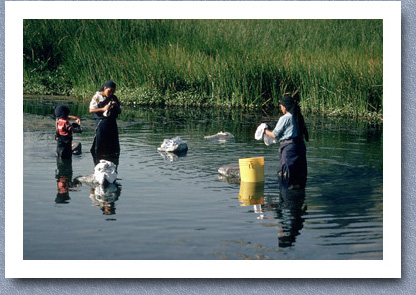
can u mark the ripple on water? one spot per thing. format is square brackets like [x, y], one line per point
[177, 208]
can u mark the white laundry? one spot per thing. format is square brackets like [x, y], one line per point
[105, 170]
[173, 145]
[259, 135]
[221, 136]
[260, 131]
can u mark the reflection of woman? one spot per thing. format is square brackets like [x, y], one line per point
[106, 107]
[290, 130]
[291, 212]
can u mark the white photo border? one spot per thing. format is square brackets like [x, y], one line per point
[17, 267]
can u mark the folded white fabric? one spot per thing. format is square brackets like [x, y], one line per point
[259, 135]
[260, 131]
[105, 170]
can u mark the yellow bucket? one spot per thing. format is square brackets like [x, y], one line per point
[251, 169]
[251, 193]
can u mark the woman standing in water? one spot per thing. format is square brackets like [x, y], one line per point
[106, 107]
[290, 130]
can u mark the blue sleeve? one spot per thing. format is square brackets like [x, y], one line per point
[280, 127]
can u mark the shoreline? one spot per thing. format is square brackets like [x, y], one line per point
[374, 117]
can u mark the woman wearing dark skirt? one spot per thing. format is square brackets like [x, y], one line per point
[106, 107]
[290, 130]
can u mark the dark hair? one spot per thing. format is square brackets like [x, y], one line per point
[108, 84]
[288, 102]
[61, 111]
[292, 106]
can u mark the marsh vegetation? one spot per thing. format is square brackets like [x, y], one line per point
[335, 65]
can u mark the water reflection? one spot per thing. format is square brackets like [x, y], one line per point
[105, 195]
[290, 212]
[344, 192]
[289, 209]
[172, 157]
[63, 175]
[252, 193]
[105, 198]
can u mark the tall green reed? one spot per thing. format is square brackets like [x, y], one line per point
[336, 65]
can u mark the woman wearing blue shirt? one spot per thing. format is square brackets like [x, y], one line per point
[290, 130]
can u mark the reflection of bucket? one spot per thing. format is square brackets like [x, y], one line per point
[252, 169]
[251, 193]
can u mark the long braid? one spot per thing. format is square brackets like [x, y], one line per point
[292, 106]
[300, 122]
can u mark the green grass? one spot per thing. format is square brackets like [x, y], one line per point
[335, 65]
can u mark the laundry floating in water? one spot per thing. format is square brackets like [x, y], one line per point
[174, 145]
[221, 136]
[260, 135]
[105, 173]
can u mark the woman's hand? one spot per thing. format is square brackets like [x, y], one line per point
[269, 133]
[106, 107]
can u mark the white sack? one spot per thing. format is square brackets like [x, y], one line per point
[105, 170]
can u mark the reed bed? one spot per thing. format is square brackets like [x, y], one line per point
[335, 65]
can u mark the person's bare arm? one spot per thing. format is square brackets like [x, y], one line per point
[269, 133]
[75, 118]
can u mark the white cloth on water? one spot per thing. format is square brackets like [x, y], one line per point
[259, 135]
[223, 136]
[105, 170]
[175, 144]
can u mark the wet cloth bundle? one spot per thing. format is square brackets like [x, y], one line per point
[105, 171]
[259, 135]
[220, 136]
[174, 145]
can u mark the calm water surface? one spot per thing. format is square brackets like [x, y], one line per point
[178, 207]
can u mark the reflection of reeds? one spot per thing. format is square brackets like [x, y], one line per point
[335, 64]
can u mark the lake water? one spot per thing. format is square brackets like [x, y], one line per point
[179, 208]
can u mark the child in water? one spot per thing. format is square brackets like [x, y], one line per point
[64, 132]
